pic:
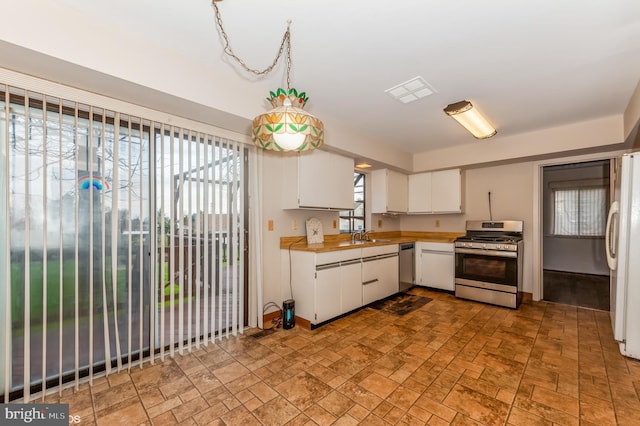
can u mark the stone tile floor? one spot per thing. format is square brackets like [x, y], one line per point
[449, 362]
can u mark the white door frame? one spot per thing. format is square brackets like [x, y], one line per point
[538, 203]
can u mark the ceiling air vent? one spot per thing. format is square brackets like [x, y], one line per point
[411, 90]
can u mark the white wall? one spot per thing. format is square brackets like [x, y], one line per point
[603, 134]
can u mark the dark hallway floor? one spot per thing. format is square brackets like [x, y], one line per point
[583, 290]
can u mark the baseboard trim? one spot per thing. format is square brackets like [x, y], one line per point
[304, 323]
[267, 318]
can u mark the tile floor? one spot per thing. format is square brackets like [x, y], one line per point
[449, 362]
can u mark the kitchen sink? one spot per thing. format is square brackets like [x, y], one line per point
[359, 242]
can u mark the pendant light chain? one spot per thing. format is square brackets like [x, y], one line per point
[286, 127]
[286, 40]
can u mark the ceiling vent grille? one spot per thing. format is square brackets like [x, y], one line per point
[411, 90]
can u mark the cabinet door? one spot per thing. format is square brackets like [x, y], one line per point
[378, 182]
[372, 288]
[327, 294]
[351, 288]
[389, 275]
[446, 191]
[437, 269]
[420, 193]
[325, 180]
[389, 191]
[397, 192]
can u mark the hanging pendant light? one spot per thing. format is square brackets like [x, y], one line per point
[287, 127]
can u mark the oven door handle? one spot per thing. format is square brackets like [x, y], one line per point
[483, 252]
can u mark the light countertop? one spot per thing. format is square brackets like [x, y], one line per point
[343, 241]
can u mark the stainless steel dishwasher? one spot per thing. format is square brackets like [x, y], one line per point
[406, 267]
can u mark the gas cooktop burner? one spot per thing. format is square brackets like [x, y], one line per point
[491, 239]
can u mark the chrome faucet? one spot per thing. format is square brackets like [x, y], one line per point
[353, 236]
[365, 235]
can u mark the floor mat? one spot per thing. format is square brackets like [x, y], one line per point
[400, 304]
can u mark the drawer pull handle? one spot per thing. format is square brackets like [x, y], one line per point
[370, 281]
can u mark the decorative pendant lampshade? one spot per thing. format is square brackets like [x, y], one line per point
[287, 127]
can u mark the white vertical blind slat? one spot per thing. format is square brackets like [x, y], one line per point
[190, 245]
[141, 238]
[76, 279]
[61, 249]
[221, 253]
[129, 248]
[198, 239]
[153, 231]
[162, 258]
[89, 159]
[44, 246]
[115, 237]
[181, 214]
[27, 257]
[103, 255]
[7, 276]
[172, 241]
[243, 240]
[206, 283]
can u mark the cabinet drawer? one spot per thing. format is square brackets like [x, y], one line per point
[337, 256]
[448, 247]
[378, 250]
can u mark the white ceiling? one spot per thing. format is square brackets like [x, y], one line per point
[525, 65]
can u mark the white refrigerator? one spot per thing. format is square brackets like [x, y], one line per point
[623, 255]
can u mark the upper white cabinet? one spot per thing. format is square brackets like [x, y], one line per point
[389, 192]
[420, 193]
[317, 180]
[436, 192]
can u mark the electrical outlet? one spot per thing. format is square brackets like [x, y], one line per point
[379, 223]
[437, 223]
[294, 225]
[335, 224]
[270, 224]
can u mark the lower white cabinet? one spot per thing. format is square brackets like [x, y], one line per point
[351, 285]
[435, 265]
[327, 294]
[329, 284]
[379, 273]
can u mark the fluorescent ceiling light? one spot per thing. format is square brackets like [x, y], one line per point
[471, 119]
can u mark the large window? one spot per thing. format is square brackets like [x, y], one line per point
[353, 220]
[121, 237]
[580, 211]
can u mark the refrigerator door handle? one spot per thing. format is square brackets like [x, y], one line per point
[612, 258]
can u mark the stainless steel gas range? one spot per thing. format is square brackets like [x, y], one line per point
[489, 262]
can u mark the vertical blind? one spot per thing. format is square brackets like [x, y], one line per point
[580, 211]
[124, 240]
